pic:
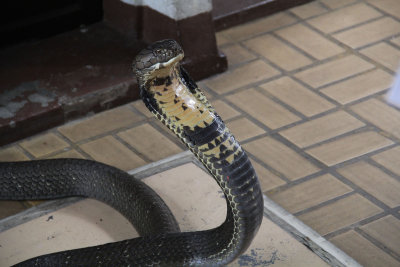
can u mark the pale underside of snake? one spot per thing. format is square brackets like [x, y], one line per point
[174, 98]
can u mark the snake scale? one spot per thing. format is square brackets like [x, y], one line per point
[174, 98]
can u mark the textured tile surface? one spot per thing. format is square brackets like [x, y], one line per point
[363, 251]
[237, 54]
[333, 71]
[369, 33]
[344, 18]
[374, 181]
[44, 144]
[390, 6]
[100, 123]
[12, 153]
[297, 96]
[244, 129]
[268, 180]
[241, 76]
[224, 110]
[389, 159]
[337, 3]
[385, 54]
[278, 52]
[281, 158]
[322, 129]
[349, 147]
[308, 10]
[310, 193]
[386, 230]
[149, 142]
[358, 87]
[259, 26]
[380, 114]
[263, 109]
[110, 151]
[310, 41]
[343, 212]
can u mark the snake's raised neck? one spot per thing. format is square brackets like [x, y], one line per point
[173, 97]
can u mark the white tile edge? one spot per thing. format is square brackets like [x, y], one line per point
[307, 236]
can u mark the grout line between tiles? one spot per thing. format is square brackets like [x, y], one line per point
[310, 238]
[378, 244]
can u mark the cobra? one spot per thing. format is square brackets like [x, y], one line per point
[174, 98]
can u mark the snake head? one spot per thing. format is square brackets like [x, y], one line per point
[157, 59]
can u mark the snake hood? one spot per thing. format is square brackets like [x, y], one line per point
[157, 60]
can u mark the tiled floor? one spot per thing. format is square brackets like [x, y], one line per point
[304, 94]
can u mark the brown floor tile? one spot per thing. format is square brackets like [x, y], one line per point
[202, 85]
[369, 33]
[385, 54]
[381, 115]
[237, 54]
[374, 181]
[262, 25]
[363, 251]
[224, 110]
[297, 96]
[109, 151]
[268, 180]
[386, 230]
[278, 52]
[310, 193]
[358, 87]
[395, 41]
[100, 123]
[308, 10]
[247, 74]
[339, 214]
[69, 154]
[344, 18]
[263, 109]
[222, 39]
[281, 158]
[149, 142]
[337, 3]
[8, 208]
[44, 144]
[311, 42]
[139, 105]
[12, 154]
[164, 129]
[389, 159]
[321, 129]
[389, 6]
[244, 129]
[349, 147]
[334, 70]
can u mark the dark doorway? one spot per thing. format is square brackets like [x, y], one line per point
[28, 20]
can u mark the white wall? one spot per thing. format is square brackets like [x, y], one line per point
[175, 9]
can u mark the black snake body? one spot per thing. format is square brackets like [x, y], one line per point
[173, 98]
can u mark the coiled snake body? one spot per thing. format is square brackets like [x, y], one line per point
[174, 99]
